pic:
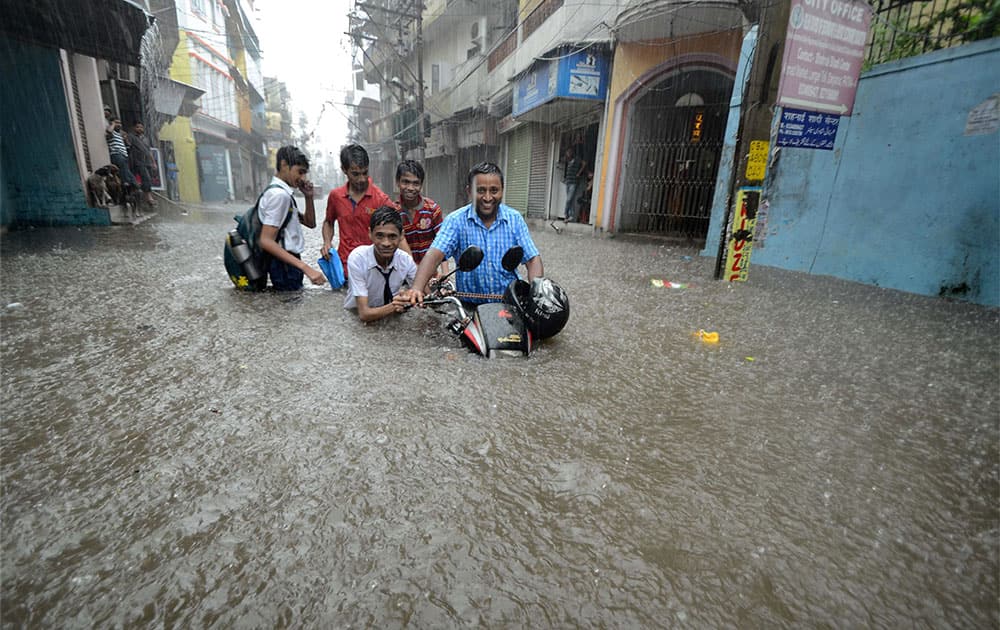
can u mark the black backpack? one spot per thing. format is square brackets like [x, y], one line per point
[249, 227]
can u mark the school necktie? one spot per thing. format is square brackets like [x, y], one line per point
[386, 291]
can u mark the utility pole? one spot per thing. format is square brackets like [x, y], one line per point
[421, 140]
[753, 136]
[403, 22]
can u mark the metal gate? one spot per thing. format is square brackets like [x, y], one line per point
[518, 169]
[674, 142]
[538, 186]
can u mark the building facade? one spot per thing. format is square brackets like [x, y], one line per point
[56, 83]
[220, 146]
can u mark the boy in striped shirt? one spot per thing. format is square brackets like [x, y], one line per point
[119, 150]
[421, 215]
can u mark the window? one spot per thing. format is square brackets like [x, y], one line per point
[435, 78]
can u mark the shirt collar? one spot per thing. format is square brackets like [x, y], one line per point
[475, 218]
[372, 262]
[420, 206]
[368, 191]
[280, 182]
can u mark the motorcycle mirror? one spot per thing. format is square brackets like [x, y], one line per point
[512, 258]
[470, 258]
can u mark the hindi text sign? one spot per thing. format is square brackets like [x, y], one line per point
[757, 160]
[807, 130]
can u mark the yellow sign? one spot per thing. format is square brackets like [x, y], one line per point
[696, 127]
[511, 338]
[757, 162]
[741, 234]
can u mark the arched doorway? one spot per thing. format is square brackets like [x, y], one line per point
[673, 143]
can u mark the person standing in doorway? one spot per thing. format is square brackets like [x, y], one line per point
[352, 205]
[118, 148]
[573, 171]
[421, 215]
[141, 161]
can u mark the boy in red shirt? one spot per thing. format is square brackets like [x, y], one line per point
[352, 205]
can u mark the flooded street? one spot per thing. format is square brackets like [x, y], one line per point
[177, 454]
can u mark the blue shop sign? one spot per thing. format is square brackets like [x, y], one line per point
[582, 75]
[807, 130]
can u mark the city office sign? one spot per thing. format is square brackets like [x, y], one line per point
[824, 50]
[580, 76]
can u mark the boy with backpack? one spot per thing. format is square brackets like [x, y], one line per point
[281, 238]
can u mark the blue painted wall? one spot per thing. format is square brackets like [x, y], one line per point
[726, 162]
[39, 176]
[905, 200]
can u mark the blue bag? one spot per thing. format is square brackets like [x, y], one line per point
[332, 269]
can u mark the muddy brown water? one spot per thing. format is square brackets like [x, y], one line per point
[176, 454]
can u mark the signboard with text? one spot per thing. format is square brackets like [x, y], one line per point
[824, 50]
[582, 75]
[757, 160]
[536, 87]
[741, 234]
[807, 130]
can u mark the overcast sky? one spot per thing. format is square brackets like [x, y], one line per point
[303, 44]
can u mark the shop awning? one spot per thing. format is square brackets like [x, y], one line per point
[104, 29]
[174, 98]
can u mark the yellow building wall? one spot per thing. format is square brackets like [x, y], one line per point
[179, 131]
[242, 91]
[632, 61]
[180, 66]
[186, 155]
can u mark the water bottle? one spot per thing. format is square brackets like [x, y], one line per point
[241, 252]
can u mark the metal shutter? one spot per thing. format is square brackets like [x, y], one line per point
[441, 182]
[79, 112]
[518, 169]
[537, 187]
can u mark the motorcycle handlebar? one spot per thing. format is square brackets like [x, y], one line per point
[447, 300]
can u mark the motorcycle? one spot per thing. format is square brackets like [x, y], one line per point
[509, 325]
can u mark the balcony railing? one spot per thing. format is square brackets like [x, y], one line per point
[903, 28]
[501, 52]
[541, 13]
[528, 25]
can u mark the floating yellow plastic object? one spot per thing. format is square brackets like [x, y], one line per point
[708, 337]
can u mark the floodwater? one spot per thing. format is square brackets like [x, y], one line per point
[177, 454]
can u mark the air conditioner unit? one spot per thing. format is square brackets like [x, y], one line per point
[478, 38]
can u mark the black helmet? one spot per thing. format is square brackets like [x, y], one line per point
[543, 305]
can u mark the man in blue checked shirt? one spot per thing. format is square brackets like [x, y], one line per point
[488, 224]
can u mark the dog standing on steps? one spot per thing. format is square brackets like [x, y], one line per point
[105, 188]
[102, 186]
